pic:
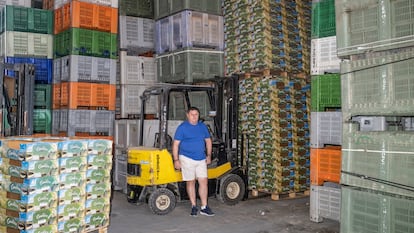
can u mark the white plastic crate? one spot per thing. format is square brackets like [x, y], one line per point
[111, 3]
[126, 132]
[137, 69]
[26, 44]
[76, 68]
[92, 122]
[323, 56]
[189, 29]
[55, 121]
[120, 170]
[131, 101]
[325, 202]
[136, 34]
[326, 128]
[57, 70]
[24, 3]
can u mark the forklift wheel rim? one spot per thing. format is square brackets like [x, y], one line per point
[233, 190]
[163, 202]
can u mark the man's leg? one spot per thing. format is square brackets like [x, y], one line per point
[190, 185]
[203, 190]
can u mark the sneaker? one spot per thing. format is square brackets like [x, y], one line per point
[207, 211]
[194, 211]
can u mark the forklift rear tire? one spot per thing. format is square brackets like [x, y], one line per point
[232, 189]
[162, 201]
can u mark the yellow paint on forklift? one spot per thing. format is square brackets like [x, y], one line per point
[157, 167]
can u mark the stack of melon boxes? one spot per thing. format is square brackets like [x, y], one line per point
[85, 52]
[27, 38]
[326, 115]
[54, 184]
[269, 43]
[137, 72]
[376, 45]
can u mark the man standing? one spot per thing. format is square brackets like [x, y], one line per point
[192, 148]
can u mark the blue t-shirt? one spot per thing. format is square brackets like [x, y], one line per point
[192, 140]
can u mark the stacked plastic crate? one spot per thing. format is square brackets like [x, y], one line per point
[27, 38]
[376, 43]
[137, 72]
[326, 115]
[267, 34]
[85, 52]
[54, 184]
[269, 43]
[189, 40]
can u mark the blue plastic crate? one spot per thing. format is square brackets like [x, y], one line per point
[43, 68]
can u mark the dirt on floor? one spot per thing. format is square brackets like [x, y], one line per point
[255, 215]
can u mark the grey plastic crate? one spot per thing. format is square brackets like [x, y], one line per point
[136, 34]
[188, 29]
[76, 68]
[325, 202]
[92, 122]
[326, 128]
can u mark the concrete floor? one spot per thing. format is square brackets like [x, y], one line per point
[255, 215]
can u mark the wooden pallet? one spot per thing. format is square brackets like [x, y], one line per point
[280, 196]
[268, 72]
[98, 230]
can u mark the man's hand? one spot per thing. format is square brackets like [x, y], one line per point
[177, 164]
[208, 160]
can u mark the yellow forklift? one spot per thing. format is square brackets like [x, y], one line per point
[151, 175]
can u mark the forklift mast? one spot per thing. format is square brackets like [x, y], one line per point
[222, 98]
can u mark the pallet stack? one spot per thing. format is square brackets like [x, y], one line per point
[376, 45]
[189, 40]
[267, 34]
[85, 52]
[326, 115]
[54, 184]
[268, 43]
[137, 72]
[27, 38]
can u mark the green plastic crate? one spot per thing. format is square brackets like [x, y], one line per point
[325, 92]
[187, 66]
[43, 96]
[23, 19]
[323, 19]
[42, 121]
[385, 156]
[363, 210]
[137, 8]
[78, 41]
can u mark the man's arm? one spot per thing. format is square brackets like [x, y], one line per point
[176, 160]
[209, 148]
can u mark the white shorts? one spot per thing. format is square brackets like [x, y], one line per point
[192, 169]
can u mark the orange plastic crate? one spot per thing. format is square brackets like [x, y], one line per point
[56, 96]
[48, 4]
[80, 95]
[325, 165]
[86, 15]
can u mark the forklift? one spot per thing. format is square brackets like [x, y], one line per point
[151, 176]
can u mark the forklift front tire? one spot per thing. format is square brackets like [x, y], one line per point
[162, 201]
[232, 189]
